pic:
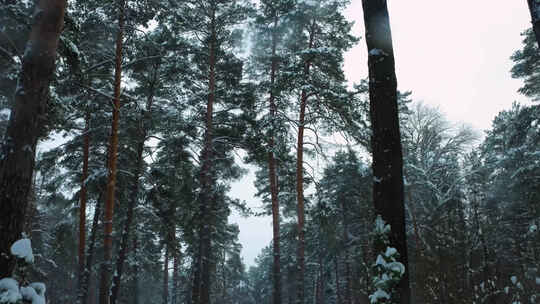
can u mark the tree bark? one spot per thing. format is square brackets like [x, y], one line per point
[276, 267]
[112, 163]
[26, 124]
[300, 178]
[83, 199]
[534, 9]
[388, 196]
[143, 132]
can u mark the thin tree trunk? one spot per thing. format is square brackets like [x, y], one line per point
[83, 299]
[348, 281]
[276, 267]
[201, 290]
[176, 276]
[224, 297]
[83, 199]
[321, 282]
[388, 196]
[485, 253]
[534, 8]
[123, 251]
[135, 268]
[166, 276]
[300, 178]
[106, 270]
[338, 286]
[419, 278]
[26, 124]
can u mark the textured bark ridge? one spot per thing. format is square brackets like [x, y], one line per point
[26, 124]
[388, 195]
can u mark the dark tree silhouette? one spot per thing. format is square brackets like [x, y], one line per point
[388, 195]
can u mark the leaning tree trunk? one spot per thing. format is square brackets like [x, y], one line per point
[26, 124]
[388, 196]
[534, 8]
[276, 267]
[300, 257]
[113, 151]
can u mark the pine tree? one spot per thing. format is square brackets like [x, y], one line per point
[322, 35]
[270, 26]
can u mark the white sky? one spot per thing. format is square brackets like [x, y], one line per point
[452, 54]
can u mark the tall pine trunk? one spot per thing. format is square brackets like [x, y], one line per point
[388, 196]
[300, 258]
[201, 286]
[26, 124]
[144, 119]
[106, 270]
[534, 8]
[276, 267]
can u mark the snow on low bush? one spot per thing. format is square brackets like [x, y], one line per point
[10, 291]
[388, 271]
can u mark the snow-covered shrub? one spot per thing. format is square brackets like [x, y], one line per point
[10, 290]
[387, 270]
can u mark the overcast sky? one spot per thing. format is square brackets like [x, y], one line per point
[451, 54]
